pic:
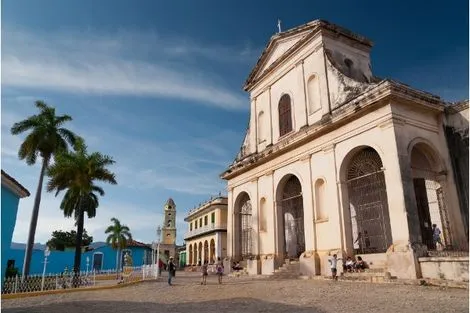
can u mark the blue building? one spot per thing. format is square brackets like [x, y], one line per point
[101, 258]
[12, 191]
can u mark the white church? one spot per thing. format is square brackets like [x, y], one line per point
[338, 161]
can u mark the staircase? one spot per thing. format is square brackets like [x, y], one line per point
[289, 270]
[375, 275]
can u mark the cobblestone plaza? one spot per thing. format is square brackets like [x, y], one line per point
[249, 295]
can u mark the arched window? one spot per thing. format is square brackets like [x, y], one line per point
[262, 215]
[285, 115]
[245, 224]
[320, 207]
[313, 89]
[261, 127]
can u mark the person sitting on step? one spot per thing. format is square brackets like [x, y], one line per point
[349, 265]
[360, 265]
[236, 266]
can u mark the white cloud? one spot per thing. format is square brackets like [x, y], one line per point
[114, 65]
[142, 221]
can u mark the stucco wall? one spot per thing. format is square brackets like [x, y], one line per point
[59, 260]
[449, 268]
[9, 211]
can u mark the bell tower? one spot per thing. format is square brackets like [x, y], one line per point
[169, 224]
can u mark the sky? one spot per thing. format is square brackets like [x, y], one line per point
[158, 86]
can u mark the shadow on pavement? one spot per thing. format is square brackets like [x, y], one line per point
[245, 305]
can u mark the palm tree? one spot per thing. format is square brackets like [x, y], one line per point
[76, 171]
[118, 237]
[47, 137]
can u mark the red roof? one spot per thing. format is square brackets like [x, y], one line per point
[134, 243]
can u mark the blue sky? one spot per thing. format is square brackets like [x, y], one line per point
[158, 85]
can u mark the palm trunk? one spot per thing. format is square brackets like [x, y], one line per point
[117, 263]
[78, 240]
[34, 220]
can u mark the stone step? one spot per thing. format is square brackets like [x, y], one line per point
[365, 274]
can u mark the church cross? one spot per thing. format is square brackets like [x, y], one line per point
[279, 25]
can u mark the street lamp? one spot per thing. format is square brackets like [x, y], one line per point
[159, 233]
[154, 250]
[47, 252]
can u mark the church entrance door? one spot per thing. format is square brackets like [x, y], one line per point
[291, 208]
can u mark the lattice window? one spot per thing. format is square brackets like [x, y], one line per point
[292, 188]
[366, 161]
[285, 115]
[246, 228]
[367, 193]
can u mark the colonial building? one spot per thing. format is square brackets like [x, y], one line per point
[206, 239]
[12, 192]
[336, 160]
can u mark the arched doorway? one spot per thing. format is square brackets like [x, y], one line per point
[212, 251]
[190, 256]
[199, 256]
[206, 251]
[368, 203]
[243, 228]
[291, 217]
[430, 197]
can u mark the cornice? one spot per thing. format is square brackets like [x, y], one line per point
[355, 108]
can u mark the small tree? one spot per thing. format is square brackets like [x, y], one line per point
[118, 236]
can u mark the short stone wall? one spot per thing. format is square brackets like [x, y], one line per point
[448, 268]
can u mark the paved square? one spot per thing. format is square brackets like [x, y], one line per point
[250, 295]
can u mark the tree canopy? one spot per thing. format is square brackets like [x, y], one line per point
[61, 240]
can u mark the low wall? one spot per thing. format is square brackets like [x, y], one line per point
[448, 268]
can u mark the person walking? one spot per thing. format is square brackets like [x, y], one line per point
[436, 236]
[171, 270]
[204, 273]
[220, 269]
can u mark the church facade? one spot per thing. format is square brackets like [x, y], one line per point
[336, 160]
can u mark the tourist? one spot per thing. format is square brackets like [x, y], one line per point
[236, 266]
[219, 269]
[349, 265]
[204, 273]
[360, 264]
[171, 270]
[333, 263]
[436, 236]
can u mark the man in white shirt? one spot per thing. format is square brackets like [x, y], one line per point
[333, 263]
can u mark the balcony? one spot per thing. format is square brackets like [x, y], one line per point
[205, 229]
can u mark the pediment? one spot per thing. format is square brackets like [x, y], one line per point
[278, 48]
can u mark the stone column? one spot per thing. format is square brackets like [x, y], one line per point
[230, 221]
[402, 256]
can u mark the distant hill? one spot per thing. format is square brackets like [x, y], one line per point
[39, 246]
[22, 246]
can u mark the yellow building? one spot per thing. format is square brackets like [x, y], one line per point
[206, 239]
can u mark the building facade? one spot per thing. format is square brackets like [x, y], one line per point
[206, 239]
[101, 257]
[336, 160]
[12, 192]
